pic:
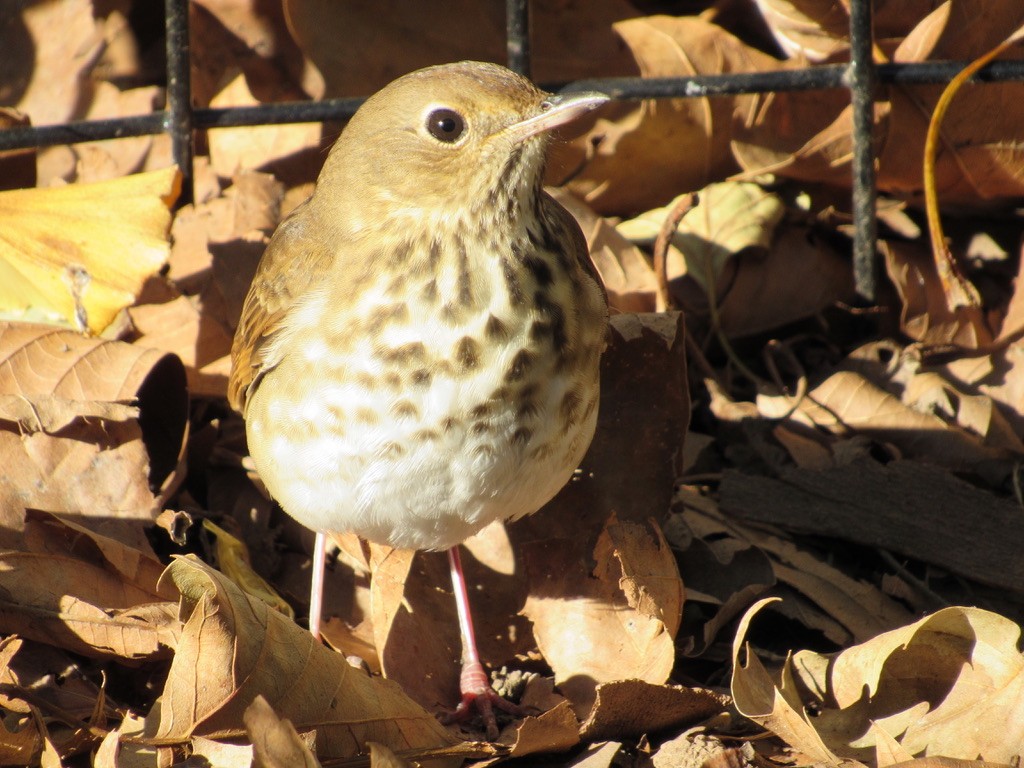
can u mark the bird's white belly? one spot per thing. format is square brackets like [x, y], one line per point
[411, 467]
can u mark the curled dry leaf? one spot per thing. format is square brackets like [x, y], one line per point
[925, 315]
[52, 69]
[951, 684]
[556, 730]
[619, 624]
[87, 427]
[646, 154]
[848, 403]
[858, 610]
[181, 326]
[815, 29]
[234, 648]
[727, 218]
[79, 254]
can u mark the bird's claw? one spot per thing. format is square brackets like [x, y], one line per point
[479, 698]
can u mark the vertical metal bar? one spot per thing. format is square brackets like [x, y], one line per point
[861, 81]
[179, 92]
[517, 35]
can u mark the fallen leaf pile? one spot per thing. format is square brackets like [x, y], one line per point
[795, 539]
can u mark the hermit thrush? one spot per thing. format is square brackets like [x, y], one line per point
[418, 353]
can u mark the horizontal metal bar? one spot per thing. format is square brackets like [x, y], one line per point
[808, 78]
[86, 130]
[277, 114]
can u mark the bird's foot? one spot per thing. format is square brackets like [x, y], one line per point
[478, 697]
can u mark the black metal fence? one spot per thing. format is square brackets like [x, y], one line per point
[860, 76]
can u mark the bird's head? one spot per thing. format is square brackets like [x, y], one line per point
[444, 141]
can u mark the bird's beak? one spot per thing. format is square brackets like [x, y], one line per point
[558, 109]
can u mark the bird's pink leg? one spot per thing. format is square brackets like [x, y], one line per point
[473, 683]
[316, 591]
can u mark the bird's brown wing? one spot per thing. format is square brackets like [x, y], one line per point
[292, 264]
[566, 224]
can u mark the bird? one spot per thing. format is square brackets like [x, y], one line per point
[418, 354]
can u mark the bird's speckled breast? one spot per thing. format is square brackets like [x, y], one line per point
[441, 397]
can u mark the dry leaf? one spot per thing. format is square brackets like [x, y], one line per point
[809, 135]
[233, 150]
[234, 648]
[951, 684]
[83, 450]
[569, 40]
[275, 744]
[79, 254]
[182, 327]
[630, 708]
[647, 154]
[52, 68]
[556, 730]
[80, 607]
[625, 272]
[639, 593]
[925, 315]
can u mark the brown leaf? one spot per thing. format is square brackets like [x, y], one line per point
[275, 742]
[83, 450]
[233, 150]
[809, 135]
[925, 315]
[630, 708]
[52, 69]
[647, 154]
[846, 403]
[28, 667]
[81, 607]
[569, 40]
[230, 652]
[978, 160]
[202, 343]
[556, 730]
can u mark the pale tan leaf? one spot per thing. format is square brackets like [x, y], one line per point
[637, 586]
[80, 607]
[777, 707]
[238, 149]
[951, 684]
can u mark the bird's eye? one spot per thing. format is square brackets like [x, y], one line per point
[445, 125]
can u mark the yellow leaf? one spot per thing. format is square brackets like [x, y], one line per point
[77, 255]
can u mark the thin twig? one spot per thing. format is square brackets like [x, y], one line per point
[663, 300]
